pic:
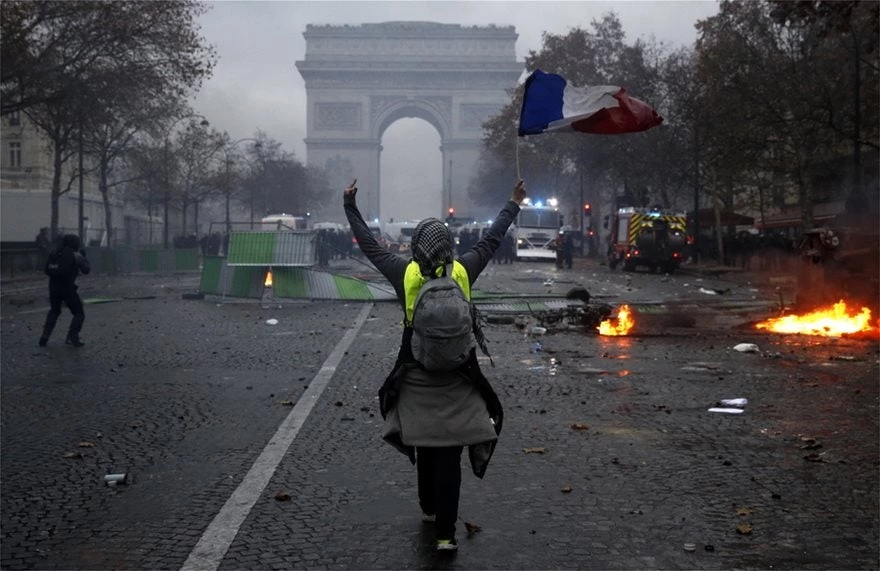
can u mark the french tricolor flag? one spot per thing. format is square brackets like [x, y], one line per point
[551, 104]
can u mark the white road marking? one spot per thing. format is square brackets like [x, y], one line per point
[215, 541]
[38, 310]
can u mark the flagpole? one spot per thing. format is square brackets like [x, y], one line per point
[518, 175]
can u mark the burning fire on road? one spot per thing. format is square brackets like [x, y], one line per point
[833, 321]
[624, 323]
[268, 282]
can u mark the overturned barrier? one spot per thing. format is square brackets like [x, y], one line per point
[223, 279]
[289, 256]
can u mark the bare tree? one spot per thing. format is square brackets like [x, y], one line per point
[91, 63]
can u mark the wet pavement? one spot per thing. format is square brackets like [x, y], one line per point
[609, 457]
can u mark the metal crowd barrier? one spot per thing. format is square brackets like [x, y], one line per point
[128, 260]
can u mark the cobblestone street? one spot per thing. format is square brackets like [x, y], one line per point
[609, 458]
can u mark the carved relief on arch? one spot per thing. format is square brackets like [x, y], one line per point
[338, 116]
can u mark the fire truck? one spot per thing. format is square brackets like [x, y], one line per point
[647, 237]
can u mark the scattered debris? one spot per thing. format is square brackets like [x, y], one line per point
[737, 402]
[86, 444]
[810, 443]
[580, 293]
[842, 358]
[580, 426]
[690, 547]
[746, 348]
[114, 479]
[727, 410]
[743, 511]
[272, 321]
[282, 496]
[816, 457]
[534, 450]
[744, 528]
[566, 489]
[472, 528]
[286, 403]
[536, 330]
[73, 455]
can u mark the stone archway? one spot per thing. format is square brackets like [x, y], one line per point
[361, 79]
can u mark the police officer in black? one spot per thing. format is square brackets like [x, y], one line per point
[63, 266]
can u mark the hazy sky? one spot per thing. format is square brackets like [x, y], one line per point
[256, 85]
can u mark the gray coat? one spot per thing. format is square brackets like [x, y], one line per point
[424, 408]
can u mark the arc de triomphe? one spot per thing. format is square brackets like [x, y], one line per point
[361, 79]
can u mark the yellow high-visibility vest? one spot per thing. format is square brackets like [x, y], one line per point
[413, 280]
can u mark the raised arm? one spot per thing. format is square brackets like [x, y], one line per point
[389, 265]
[475, 259]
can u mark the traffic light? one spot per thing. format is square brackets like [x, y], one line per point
[451, 211]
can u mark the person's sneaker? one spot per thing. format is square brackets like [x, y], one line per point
[429, 518]
[73, 339]
[447, 545]
[43, 341]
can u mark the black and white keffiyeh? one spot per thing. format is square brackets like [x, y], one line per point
[432, 245]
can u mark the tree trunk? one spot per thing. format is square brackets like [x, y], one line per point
[196, 217]
[183, 214]
[805, 191]
[56, 188]
[717, 205]
[105, 198]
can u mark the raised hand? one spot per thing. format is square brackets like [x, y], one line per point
[519, 192]
[351, 190]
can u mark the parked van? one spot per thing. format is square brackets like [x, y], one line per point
[284, 222]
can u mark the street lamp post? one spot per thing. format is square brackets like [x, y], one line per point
[167, 197]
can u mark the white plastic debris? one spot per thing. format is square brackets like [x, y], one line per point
[272, 321]
[727, 410]
[708, 291]
[739, 402]
[536, 330]
[746, 348]
[114, 479]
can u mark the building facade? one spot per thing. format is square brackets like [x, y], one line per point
[26, 193]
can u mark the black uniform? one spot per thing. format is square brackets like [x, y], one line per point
[63, 267]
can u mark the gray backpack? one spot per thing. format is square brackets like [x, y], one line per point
[443, 325]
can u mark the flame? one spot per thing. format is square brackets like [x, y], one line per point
[829, 322]
[624, 325]
[268, 282]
